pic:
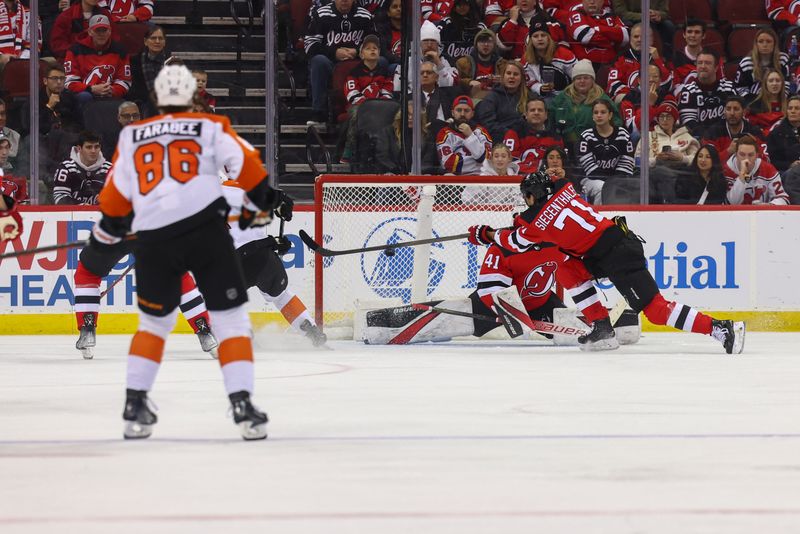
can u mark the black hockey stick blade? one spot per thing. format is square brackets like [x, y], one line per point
[49, 248]
[322, 251]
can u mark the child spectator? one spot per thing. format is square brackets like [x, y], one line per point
[548, 64]
[367, 81]
[463, 144]
[594, 34]
[499, 163]
[79, 179]
[201, 77]
[529, 143]
[478, 71]
[502, 108]
[752, 179]
[766, 55]
[704, 183]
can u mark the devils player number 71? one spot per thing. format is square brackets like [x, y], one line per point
[567, 213]
[181, 160]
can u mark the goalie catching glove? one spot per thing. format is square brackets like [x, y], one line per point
[479, 234]
[10, 221]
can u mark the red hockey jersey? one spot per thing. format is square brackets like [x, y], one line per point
[141, 9]
[365, 84]
[529, 147]
[565, 220]
[597, 38]
[86, 66]
[533, 273]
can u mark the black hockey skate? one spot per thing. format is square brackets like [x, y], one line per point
[208, 342]
[602, 337]
[252, 422]
[313, 333]
[730, 333]
[139, 418]
[88, 336]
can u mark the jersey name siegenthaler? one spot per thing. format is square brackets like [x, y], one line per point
[552, 211]
[193, 129]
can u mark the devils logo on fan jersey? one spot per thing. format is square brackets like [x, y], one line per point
[100, 74]
[539, 281]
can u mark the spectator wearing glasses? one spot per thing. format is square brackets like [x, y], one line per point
[127, 112]
[56, 105]
[97, 67]
[437, 101]
[145, 67]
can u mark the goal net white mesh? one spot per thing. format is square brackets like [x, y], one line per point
[361, 211]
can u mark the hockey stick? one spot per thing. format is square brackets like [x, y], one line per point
[115, 282]
[537, 326]
[322, 251]
[48, 248]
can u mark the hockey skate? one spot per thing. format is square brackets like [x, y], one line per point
[139, 418]
[208, 342]
[88, 336]
[252, 423]
[602, 337]
[313, 333]
[730, 333]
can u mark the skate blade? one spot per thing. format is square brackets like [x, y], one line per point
[134, 430]
[603, 344]
[251, 433]
[738, 337]
[87, 353]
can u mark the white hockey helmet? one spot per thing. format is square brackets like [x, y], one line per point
[175, 86]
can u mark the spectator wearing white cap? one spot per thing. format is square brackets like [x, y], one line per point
[431, 52]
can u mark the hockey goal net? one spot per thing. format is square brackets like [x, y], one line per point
[361, 211]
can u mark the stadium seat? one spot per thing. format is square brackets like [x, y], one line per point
[713, 40]
[601, 78]
[730, 70]
[299, 15]
[681, 10]
[131, 36]
[16, 80]
[740, 41]
[742, 12]
[338, 101]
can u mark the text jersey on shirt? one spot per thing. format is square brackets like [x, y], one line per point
[234, 196]
[565, 219]
[166, 169]
[533, 273]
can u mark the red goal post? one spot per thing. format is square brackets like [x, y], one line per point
[355, 211]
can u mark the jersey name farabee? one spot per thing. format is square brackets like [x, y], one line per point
[192, 129]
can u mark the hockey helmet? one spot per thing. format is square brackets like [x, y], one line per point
[538, 184]
[175, 86]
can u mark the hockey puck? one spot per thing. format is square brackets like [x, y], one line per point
[389, 252]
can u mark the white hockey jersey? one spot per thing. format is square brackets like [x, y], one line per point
[166, 169]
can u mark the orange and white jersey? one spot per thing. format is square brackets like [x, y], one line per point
[234, 196]
[166, 169]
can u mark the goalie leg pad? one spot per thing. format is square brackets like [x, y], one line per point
[403, 324]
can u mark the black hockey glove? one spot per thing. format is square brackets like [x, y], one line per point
[109, 231]
[285, 206]
[281, 244]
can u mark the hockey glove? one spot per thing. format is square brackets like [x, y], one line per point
[281, 244]
[252, 216]
[109, 231]
[479, 234]
[285, 206]
[10, 221]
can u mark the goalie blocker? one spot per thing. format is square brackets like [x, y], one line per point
[443, 320]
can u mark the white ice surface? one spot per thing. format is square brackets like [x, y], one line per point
[669, 436]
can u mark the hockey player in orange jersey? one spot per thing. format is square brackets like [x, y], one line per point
[165, 171]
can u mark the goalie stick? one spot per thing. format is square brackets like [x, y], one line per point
[537, 326]
[322, 251]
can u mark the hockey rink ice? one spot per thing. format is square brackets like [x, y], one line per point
[668, 436]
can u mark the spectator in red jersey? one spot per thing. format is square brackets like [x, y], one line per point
[548, 64]
[513, 32]
[73, 24]
[529, 142]
[703, 100]
[704, 183]
[671, 150]
[463, 144]
[460, 28]
[684, 61]
[732, 126]
[15, 32]
[562, 9]
[130, 10]
[11, 184]
[769, 106]
[201, 77]
[630, 11]
[766, 55]
[594, 34]
[624, 74]
[479, 71]
[435, 10]
[502, 109]
[390, 29]
[367, 81]
[145, 66]
[10, 220]
[784, 148]
[495, 12]
[97, 67]
[784, 12]
[631, 105]
[752, 179]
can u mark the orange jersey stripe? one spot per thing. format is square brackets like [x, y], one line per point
[293, 309]
[147, 345]
[235, 349]
[111, 201]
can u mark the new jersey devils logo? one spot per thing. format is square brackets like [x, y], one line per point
[539, 280]
[100, 74]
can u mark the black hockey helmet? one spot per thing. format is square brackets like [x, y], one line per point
[537, 184]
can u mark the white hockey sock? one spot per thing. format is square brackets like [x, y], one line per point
[142, 373]
[238, 376]
[292, 308]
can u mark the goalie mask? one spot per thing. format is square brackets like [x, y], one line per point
[539, 185]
